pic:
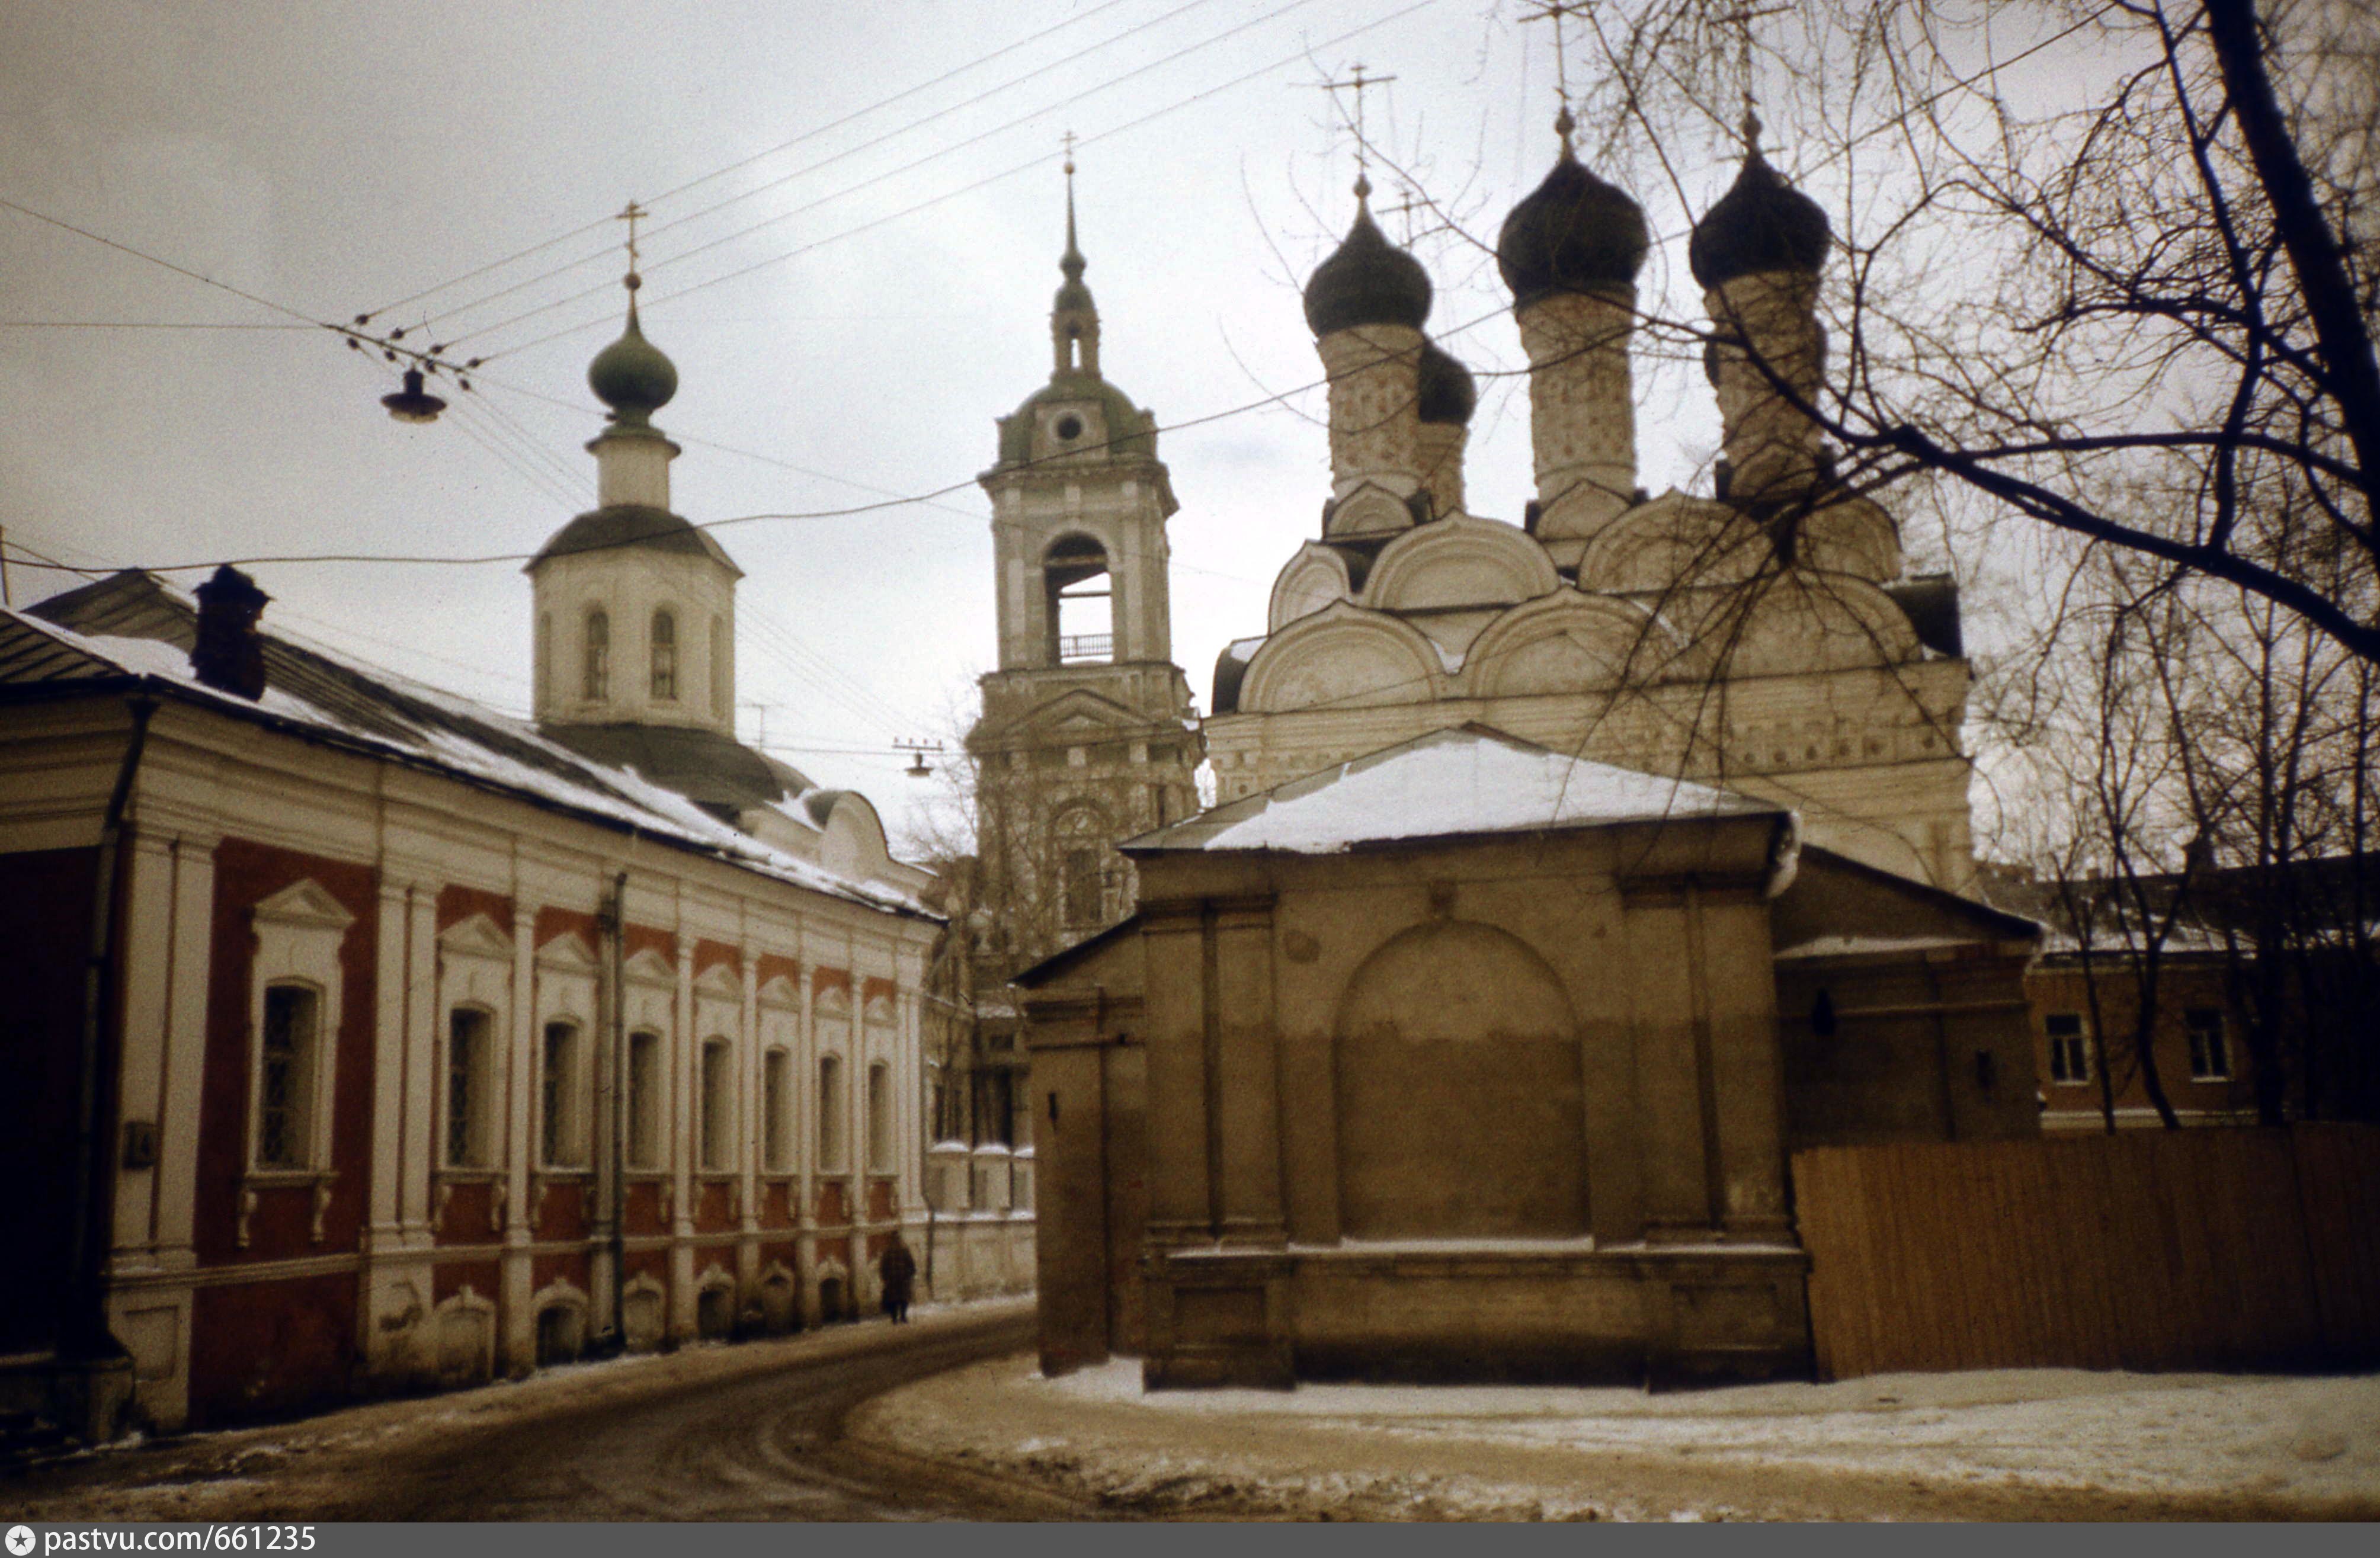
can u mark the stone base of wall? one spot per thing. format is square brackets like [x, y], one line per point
[1491, 1310]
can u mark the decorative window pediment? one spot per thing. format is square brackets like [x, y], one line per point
[297, 994]
[305, 905]
[478, 937]
[780, 992]
[649, 967]
[566, 953]
[720, 983]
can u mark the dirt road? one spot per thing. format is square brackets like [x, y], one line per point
[752, 1432]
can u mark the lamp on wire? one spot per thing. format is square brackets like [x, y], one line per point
[413, 404]
[917, 750]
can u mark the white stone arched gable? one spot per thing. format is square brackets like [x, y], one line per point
[1344, 656]
[1369, 511]
[854, 842]
[1855, 537]
[1459, 562]
[1675, 541]
[651, 995]
[1799, 622]
[1569, 642]
[1310, 581]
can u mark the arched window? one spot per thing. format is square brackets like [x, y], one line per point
[470, 1077]
[722, 690]
[718, 1121]
[597, 684]
[879, 1118]
[1075, 577]
[664, 658]
[831, 1131]
[284, 1123]
[644, 1100]
[1079, 839]
[561, 1124]
[776, 1111]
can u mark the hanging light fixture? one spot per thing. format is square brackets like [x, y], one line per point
[413, 404]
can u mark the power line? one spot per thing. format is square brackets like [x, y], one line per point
[946, 197]
[778, 182]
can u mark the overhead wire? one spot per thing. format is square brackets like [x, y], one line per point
[944, 199]
[455, 310]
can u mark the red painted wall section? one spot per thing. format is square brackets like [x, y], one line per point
[770, 965]
[551, 922]
[546, 1270]
[641, 939]
[469, 1214]
[644, 1208]
[563, 1213]
[711, 1213]
[458, 904]
[282, 1224]
[879, 1201]
[776, 1203]
[45, 900]
[832, 1210]
[876, 987]
[708, 955]
[823, 980]
[271, 1348]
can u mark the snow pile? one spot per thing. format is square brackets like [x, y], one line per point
[1465, 781]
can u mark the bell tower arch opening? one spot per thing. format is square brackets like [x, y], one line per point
[1080, 594]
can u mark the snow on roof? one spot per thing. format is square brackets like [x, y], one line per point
[1244, 649]
[1468, 780]
[475, 743]
[1848, 945]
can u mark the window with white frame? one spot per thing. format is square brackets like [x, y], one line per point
[562, 1121]
[831, 1101]
[718, 1119]
[2070, 1053]
[2210, 1045]
[290, 1049]
[644, 1100]
[879, 1118]
[776, 1109]
[471, 1078]
[295, 990]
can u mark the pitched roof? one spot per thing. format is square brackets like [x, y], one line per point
[1465, 781]
[132, 631]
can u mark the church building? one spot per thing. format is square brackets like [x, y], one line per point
[1568, 875]
[365, 1039]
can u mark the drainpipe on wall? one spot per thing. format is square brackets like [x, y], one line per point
[83, 1332]
[611, 927]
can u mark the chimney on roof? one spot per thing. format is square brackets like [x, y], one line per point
[229, 656]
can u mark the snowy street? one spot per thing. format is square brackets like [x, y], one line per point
[2006, 1444]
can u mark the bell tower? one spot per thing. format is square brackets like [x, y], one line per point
[1085, 736]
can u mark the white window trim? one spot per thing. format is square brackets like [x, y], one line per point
[565, 993]
[475, 972]
[2082, 1036]
[299, 933]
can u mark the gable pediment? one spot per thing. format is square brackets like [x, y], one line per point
[567, 953]
[305, 903]
[477, 937]
[719, 983]
[1075, 716]
[649, 967]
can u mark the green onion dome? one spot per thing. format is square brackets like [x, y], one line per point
[1573, 232]
[1447, 392]
[632, 376]
[1761, 223]
[1368, 281]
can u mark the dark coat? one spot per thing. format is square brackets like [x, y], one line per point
[897, 1269]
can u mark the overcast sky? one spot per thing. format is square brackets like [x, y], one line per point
[334, 158]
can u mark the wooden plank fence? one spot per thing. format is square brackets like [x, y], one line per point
[2151, 1250]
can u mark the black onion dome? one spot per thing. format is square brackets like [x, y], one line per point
[1761, 223]
[1447, 392]
[1573, 232]
[1368, 281]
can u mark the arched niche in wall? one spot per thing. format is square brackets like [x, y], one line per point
[1310, 581]
[1460, 1100]
[1344, 656]
[1569, 643]
[1801, 622]
[1459, 562]
[1675, 542]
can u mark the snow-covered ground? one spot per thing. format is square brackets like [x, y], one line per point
[2001, 1443]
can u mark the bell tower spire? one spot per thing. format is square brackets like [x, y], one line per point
[1074, 317]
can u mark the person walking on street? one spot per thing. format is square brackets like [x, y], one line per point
[896, 1270]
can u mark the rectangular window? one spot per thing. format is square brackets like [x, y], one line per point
[831, 1112]
[1082, 887]
[644, 1100]
[558, 1098]
[466, 1088]
[285, 1087]
[2210, 1046]
[718, 1105]
[2069, 1058]
[774, 1103]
